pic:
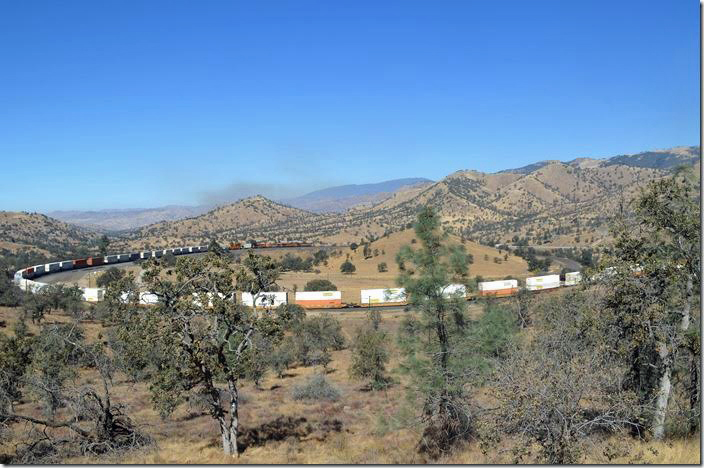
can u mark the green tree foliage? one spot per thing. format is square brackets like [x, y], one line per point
[290, 314]
[103, 244]
[110, 275]
[10, 293]
[44, 369]
[321, 256]
[434, 357]
[169, 259]
[215, 247]
[57, 297]
[320, 285]
[652, 295]
[202, 335]
[282, 357]
[370, 354]
[348, 267]
[314, 338]
[291, 262]
[15, 359]
[561, 385]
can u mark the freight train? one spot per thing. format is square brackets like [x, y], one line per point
[266, 245]
[308, 299]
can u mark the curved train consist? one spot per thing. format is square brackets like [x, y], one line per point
[25, 279]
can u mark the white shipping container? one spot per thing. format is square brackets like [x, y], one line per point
[382, 296]
[573, 278]
[498, 285]
[265, 299]
[147, 298]
[318, 295]
[454, 290]
[537, 280]
[93, 294]
[536, 283]
[196, 299]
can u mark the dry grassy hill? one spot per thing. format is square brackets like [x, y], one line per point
[548, 203]
[488, 263]
[558, 203]
[39, 233]
[245, 219]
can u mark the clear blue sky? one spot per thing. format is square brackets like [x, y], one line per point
[144, 103]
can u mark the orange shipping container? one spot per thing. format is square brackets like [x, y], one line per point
[319, 299]
[499, 292]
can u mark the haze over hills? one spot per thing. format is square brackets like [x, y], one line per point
[332, 199]
[552, 203]
[343, 197]
[125, 219]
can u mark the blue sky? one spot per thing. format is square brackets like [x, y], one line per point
[145, 103]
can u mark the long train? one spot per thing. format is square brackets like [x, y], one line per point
[25, 277]
[266, 245]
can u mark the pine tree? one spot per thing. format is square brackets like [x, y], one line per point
[433, 357]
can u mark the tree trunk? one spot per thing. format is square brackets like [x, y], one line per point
[228, 447]
[234, 416]
[684, 323]
[664, 387]
[694, 393]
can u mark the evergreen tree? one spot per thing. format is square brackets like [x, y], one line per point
[433, 355]
[370, 353]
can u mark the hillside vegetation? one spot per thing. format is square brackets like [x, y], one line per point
[42, 234]
[549, 203]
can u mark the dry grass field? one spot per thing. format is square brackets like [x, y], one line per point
[373, 426]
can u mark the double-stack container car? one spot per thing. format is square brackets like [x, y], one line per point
[573, 278]
[500, 288]
[539, 283]
[389, 296]
[319, 299]
[265, 300]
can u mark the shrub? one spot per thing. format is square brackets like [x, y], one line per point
[319, 285]
[10, 293]
[110, 276]
[291, 262]
[381, 267]
[290, 313]
[282, 357]
[316, 388]
[314, 337]
[348, 267]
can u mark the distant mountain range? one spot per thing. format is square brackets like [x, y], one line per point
[665, 159]
[126, 219]
[343, 197]
[549, 203]
[553, 201]
[333, 199]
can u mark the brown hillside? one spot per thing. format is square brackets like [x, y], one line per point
[42, 234]
[242, 220]
[367, 275]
